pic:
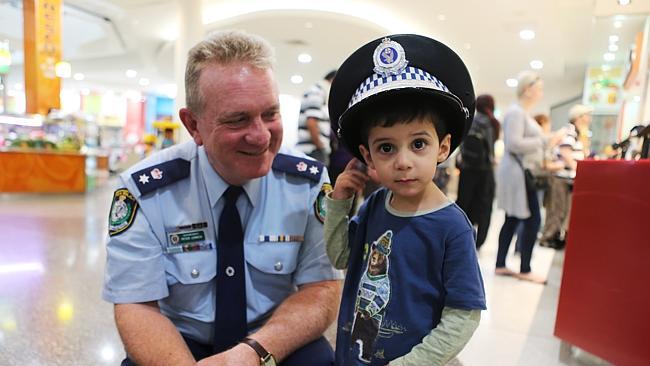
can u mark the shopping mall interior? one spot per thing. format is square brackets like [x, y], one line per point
[91, 87]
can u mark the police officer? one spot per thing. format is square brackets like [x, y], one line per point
[215, 250]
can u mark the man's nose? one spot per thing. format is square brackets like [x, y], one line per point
[258, 133]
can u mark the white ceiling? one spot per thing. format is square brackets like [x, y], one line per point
[103, 38]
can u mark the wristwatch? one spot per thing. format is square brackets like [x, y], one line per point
[266, 357]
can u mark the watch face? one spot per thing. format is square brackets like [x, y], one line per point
[269, 360]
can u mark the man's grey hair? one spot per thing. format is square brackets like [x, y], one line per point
[223, 48]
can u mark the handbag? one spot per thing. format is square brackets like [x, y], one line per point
[529, 179]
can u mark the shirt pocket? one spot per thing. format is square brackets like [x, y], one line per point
[273, 258]
[191, 267]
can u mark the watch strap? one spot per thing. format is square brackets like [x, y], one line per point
[266, 357]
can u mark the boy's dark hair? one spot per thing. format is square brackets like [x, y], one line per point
[402, 108]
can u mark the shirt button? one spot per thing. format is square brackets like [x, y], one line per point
[230, 271]
[195, 273]
[278, 266]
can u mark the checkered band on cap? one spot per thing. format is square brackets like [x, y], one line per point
[411, 77]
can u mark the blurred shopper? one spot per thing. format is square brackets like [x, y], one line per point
[314, 123]
[516, 193]
[183, 285]
[571, 149]
[168, 138]
[476, 181]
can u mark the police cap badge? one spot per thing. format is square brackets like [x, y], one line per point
[402, 64]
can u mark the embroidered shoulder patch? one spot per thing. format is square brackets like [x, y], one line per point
[306, 168]
[319, 205]
[123, 210]
[149, 179]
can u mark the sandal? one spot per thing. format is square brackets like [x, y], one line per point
[504, 271]
[531, 277]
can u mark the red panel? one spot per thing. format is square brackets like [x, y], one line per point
[605, 293]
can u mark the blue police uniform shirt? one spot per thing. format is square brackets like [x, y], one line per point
[403, 270]
[164, 248]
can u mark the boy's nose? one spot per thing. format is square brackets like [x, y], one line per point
[402, 161]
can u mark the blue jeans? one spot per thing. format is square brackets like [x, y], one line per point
[526, 237]
[317, 353]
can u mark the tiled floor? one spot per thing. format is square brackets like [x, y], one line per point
[51, 267]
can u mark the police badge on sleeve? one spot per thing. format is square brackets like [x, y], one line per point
[319, 205]
[123, 210]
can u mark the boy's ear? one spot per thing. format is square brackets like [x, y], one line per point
[366, 156]
[445, 147]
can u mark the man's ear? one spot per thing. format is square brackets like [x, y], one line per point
[190, 123]
[445, 147]
[366, 156]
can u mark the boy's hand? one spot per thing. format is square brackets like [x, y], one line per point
[351, 181]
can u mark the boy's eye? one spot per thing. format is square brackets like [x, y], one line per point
[385, 148]
[419, 144]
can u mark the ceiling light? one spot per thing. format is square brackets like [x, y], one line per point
[78, 76]
[624, 2]
[304, 58]
[512, 83]
[63, 69]
[468, 46]
[618, 24]
[442, 17]
[613, 38]
[527, 34]
[143, 81]
[637, 98]
[131, 73]
[536, 64]
[296, 79]
[609, 57]
[613, 47]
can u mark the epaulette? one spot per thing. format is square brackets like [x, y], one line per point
[157, 176]
[303, 167]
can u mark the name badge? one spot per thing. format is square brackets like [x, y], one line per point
[188, 238]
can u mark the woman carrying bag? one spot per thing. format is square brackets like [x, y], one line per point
[524, 144]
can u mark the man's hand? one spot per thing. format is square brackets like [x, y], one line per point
[351, 181]
[241, 354]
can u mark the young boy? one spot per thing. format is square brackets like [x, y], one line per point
[413, 292]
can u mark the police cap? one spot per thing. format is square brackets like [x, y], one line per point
[401, 64]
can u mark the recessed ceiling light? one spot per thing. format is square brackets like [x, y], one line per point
[609, 57]
[536, 64]
[296, 79]
[512, 83]
[78, 76]
[624, 2]
[618, 24]
[143, 81]
[637, 98]
[442, 17]
[613, 38]
[613, 47]
[527, 34]
[131, 73]
[304, 58]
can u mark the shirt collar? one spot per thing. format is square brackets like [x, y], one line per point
[216, 186]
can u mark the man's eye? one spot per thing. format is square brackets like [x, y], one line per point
[271, 116]
[419, 144]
